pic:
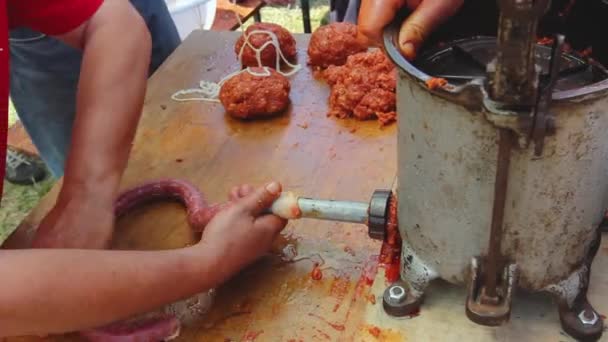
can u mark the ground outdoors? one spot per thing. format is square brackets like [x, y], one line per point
[17, 201]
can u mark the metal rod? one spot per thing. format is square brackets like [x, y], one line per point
[541, 114]
[514, 76]
[306, 16]
[505, 143]
[343, 211]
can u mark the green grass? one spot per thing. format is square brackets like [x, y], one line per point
[18, 201]
[12, 114]
[291, 18]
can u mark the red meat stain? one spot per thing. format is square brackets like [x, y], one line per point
[252, 335]
[338, 290]
[338, 327]
[391, 248]
[316, 273]
[374, 331]
[325, 335]
[368, 274]
[434, 83]
[545, 41]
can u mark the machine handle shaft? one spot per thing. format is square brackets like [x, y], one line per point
[343, 211]
[373, 214]
[289, 206]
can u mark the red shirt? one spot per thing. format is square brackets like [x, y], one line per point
[52, 17]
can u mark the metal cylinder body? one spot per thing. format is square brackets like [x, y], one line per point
[447, 158]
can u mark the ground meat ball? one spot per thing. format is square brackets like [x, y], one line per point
[363, 88]
[247, 96]
[268, 56]
[332, 44]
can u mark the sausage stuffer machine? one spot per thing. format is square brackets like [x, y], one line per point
[501, 173]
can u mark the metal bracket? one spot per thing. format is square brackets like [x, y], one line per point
[543, 120]
[486, 310]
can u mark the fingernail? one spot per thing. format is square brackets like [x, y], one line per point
[409, 50]
[274, 188]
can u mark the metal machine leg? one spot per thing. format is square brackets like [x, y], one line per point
[416, 277]
[577, 316]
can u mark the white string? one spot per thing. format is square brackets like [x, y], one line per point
[209, 91]
[274, 41]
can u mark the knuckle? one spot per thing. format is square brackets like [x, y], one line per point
[415, 31]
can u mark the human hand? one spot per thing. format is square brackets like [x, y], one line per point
[77, 222]
[427, 15]
[240, 234]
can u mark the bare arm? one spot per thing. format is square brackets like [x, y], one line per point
[62, 290]
[57, 291]
[117, 48]
[116, 56]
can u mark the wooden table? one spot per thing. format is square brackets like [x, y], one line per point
[315, 156]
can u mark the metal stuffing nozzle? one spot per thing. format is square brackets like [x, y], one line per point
[373, 214]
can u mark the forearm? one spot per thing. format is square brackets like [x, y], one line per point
[56, 291]
[110, 96]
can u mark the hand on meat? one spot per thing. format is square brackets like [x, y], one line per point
[241, 233]
[427, 15]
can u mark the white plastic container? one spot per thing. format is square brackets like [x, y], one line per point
[190, 15]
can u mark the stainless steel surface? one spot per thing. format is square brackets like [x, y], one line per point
[343, 211]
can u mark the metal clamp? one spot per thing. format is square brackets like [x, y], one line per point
[378, 214]
[543, 121]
